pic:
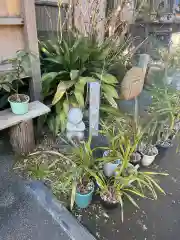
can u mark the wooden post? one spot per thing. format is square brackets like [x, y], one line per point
[31, 45]
[22, 137]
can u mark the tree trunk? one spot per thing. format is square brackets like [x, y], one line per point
[22, 137]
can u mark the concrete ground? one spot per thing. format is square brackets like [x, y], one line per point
[155, 220]
[28, 210]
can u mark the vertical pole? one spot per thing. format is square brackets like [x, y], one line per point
[94, 105]
[31, 44]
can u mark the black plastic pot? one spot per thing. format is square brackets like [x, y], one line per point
[163, 150]
[108, 205]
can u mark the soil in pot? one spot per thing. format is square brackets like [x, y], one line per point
[84, 193]
[19, 98]
[108, 199]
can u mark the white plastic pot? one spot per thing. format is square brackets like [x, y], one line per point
[110, 168]
[148, 160]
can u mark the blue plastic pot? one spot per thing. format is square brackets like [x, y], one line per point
[83, 200]
[19, 108]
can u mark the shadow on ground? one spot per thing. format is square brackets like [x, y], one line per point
[155, 220]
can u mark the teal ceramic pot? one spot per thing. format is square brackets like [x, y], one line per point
[83, 200]
[19, 108]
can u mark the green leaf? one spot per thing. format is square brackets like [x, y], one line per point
[6, 87]
[61, 89]
[131, 199]
[66, 106]
[111, 101]
[79, 98]
[74, 74]
[57, 59]
[50, 75]
[73, 194]
[110, 90]
[107, 78]
[62, 118]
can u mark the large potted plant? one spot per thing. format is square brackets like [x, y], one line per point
[68, 66]
[18, 102]
[123, 139]
[126, 183]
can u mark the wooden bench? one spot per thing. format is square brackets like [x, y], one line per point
[21, 126]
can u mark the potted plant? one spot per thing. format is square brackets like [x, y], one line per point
[165, 138]
[115, 190]
[123, 138]
[147, 147]
[80, 176]
[18, 102]
[149, 152]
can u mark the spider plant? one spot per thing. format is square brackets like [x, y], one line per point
[120, 188]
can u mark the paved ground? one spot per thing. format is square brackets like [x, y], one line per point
[28, 211]
[156, 220]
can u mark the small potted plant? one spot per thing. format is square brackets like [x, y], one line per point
[135, 158]
[80, 176]
[164, 139]
[84, 192]
[149, 153]
[19, 102]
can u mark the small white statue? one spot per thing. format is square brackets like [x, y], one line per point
[75, 126]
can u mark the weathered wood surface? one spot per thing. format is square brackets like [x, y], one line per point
[11, 21]
[22, 137]
[31, 45]
[8, 119]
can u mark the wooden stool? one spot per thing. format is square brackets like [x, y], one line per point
[21, 126]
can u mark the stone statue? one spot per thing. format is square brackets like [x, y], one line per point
[75, 126]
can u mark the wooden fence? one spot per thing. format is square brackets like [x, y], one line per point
[47, 17]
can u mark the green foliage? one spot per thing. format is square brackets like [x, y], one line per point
[10, 81]
[69, 65]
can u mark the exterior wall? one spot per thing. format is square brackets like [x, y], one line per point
[11, 36]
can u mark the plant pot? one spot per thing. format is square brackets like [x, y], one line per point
[83, 200]
[148, 160]
[19, 108]
[110, 168]
[163, 148]
[108, 205]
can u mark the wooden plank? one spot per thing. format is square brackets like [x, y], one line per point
[31, 45]
[50, 2]
[11, 40]
[8, 119]
[10, 8]
[11, 21]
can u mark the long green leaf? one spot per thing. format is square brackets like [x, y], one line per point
[74, 74]
[79, 98]
[50, 75]
[73, 194]
[61, 89]
[111, 100]
[110, 91]
[107, 78]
